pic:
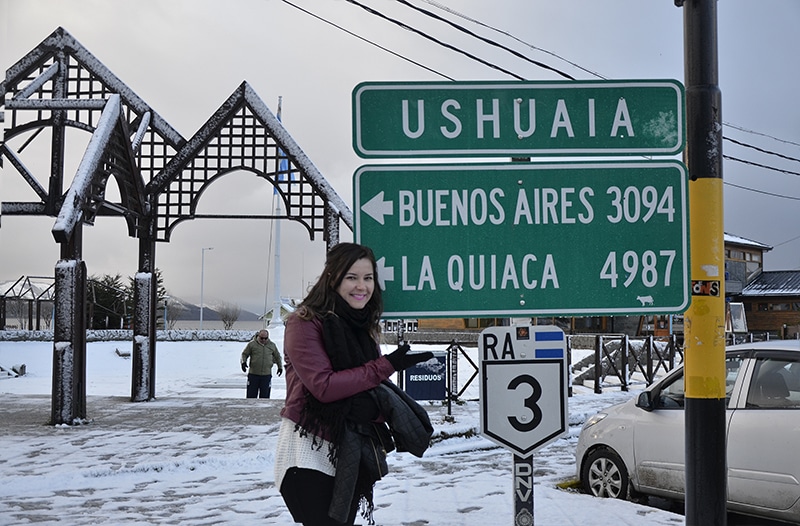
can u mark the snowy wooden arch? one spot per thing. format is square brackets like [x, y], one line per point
[244, 134]
[160, 177]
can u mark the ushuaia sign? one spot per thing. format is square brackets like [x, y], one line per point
[469, 119]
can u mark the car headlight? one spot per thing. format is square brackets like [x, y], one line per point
[594, 419]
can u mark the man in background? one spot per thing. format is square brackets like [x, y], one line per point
[263, 354]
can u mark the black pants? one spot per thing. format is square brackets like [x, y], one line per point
[258, 386]
[308, 495]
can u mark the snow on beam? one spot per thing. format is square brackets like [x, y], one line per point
[71, 210]
[38, 82]
[118, 86]
[137, 139]
[26, 174]
[55, 104]
[16, 208]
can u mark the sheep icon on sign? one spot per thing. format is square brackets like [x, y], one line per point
[523, 386]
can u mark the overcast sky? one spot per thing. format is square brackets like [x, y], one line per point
[185, 57]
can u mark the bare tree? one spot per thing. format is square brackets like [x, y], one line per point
[46, 313]
[229, 313]
[175, 310]
[17, 309]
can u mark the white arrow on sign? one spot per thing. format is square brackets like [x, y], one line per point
[384, 273]
[376, 207]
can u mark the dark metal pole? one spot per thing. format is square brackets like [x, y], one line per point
[523, 490]
[69, 334]
[704, 372]
[143, 381]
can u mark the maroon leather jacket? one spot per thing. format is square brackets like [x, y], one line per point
[308, 369]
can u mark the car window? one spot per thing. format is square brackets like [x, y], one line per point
[775, 384]
[673, 393]
[733, 364]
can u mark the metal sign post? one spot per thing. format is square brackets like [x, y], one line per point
[523, 398]
[523, 491]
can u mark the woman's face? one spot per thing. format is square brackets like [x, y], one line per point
[358, 283]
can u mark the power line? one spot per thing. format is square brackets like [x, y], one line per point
[485, 40]
[735, 127]
[370, 42]
[511, 36]
[787, 241]
[726, 183]
[768, 152]
[759, 165]
[433, 39]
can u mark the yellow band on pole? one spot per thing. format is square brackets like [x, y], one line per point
[704, 322]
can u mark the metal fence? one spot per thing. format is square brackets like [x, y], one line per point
[620, 358]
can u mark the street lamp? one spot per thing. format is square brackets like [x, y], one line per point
[202, 271]
[166, 306]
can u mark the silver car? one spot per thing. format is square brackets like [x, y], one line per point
[637, 448]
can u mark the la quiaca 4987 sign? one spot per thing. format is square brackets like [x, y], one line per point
[518, 239]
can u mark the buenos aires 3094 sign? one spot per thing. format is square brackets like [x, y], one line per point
[518, 239]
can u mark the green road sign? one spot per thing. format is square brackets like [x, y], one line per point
[480, 119]
[520, 239]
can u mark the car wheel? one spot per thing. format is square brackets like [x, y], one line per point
[604, 475]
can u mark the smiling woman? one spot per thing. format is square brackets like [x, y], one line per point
[334, 437]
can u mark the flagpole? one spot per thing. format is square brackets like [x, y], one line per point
[276, 306]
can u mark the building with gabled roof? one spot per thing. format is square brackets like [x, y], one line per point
[744, 259]
[772, 303]
[771, 298]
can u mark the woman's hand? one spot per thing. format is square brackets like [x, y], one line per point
[401, 360]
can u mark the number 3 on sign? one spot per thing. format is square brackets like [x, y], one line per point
[523, 386]
[530, 403]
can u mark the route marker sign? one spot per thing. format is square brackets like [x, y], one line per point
[518, 119]
[523, 398]
[523, 386]
[519, 239]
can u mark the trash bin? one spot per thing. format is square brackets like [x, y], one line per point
[428, 380]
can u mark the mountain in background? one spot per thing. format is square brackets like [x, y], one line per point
[191, 312]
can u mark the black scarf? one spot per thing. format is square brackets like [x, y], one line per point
[347, 335]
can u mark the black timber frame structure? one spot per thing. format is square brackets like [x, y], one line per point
[160, 177]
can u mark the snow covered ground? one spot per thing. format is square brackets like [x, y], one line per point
[203, 454]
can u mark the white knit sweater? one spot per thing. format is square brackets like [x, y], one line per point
[298, 451]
